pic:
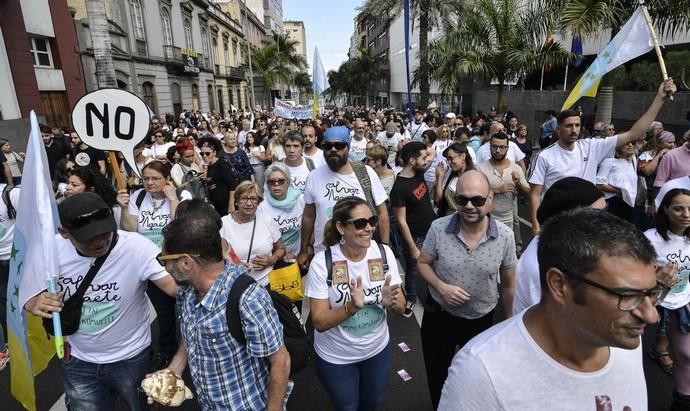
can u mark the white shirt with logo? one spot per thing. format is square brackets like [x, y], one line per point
[298, 175]
[115, 315]
[289, 223]
[365, 334]
[676, 250]
[151, 219]
[324, 188]
[390, 144]
[318, 158]
[358, 149]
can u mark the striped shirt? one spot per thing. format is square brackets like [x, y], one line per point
[226, 374]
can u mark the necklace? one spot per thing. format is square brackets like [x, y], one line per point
[156, 207]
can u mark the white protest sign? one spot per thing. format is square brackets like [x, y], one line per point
[112, 120]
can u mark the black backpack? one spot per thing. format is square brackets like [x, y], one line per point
[295, 337]
[11, 212]
[142, 194]
[194, 185]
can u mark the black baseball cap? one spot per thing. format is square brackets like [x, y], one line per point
[86, 216]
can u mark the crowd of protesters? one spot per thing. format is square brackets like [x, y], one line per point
[224, 199]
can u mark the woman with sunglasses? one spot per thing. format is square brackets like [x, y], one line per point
[254, 238]
[159, 148]
[458, 161]
[349, 300]
[284, 205]
[237, 157]
[275, 144]
[221, 177]
[670, 237]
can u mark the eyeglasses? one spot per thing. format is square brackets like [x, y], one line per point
[330, 146]
[361, 223]
[206, 153]
[276, 182]
[476, 201]
[85, 219]
[152, 178]
[163, 258]
[628, 300]
[497, 147]
[245, 200]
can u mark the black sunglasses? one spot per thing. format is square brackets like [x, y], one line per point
[476, 201]
[276, 182]
[361, 223]
[85, 219]
[330, 146]
[206, 153]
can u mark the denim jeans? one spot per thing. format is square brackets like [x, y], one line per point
[411, 272]
[357, 386]
[93, 387]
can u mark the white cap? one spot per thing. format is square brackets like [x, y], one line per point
[450, 115]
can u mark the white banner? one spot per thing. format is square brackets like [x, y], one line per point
[285, 110]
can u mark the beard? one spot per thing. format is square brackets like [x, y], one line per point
[336, 162]
[498, 157]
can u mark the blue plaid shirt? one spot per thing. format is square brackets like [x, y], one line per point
[226, 374]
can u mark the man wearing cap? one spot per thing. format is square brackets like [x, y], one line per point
[572, 156]
[565, 194]
[418, 126]
[110, 353]
[342, 178]
[391, 140]
[450, 120]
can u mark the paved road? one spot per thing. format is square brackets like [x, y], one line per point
[309, 395]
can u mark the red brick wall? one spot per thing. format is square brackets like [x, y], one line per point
[19, 56]
[66, 51]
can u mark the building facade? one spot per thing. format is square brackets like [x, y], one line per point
[295, 31]
[39, 67]
[374, 37]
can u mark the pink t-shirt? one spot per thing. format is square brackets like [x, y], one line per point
[675, 164]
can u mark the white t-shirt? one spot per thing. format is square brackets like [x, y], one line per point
[179, 170]
[7, 224]
[364, 334]
[289, 223]
[358, 149]
[239, 237]
[676, 250]
[528, 283]
[514, 153]
[554, 162]
[619, 173]
[298, 176]
[415, 130]
[503, 368]
[503, 203]
[390, 144]
[317, 158]
[158, 151]
[115, 315]
[254, 153]
[324, 188]
[153, 215]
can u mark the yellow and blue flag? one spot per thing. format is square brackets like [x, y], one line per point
[632, 41]
[32, 262]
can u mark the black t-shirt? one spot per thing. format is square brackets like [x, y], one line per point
[413, 194]
[3, 160]
[87, 157]
[221, 179]
[55, 152]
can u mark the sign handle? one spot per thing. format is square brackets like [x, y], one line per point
[655, 39]
[116, 170]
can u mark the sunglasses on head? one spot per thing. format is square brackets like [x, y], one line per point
[85, 219]
[477, 201]
[330, 146]
[361, 223]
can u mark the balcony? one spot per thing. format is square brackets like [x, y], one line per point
[185, 61]
[235, 73]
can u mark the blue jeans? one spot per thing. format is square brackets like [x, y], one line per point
[357, 386]
[411, 272]
[90, 386]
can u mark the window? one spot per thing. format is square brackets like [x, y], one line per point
[214, 44]
[234, 53]
[167, 28]
[149, 95]
[137, 19]
[188, 43]
[40, 50]
[226, 49]
[204, 45]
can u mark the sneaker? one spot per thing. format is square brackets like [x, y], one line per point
[4, 358]
[409, 307]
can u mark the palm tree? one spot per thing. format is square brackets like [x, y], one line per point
[585, 18]
[496, 43]
[365, 71]
[100, 41]
[302, 82]
[430, 14]
[278, 61]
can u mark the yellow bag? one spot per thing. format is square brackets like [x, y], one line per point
[287, 280]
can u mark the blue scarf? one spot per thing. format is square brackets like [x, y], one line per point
[288, 202]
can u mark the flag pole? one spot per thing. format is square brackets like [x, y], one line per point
[657, 47]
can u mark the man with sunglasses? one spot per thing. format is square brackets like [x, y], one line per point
[579, 348]
[110, 353]
[464, 258]
[340, 179]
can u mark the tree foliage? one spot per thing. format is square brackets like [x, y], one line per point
[355, 77]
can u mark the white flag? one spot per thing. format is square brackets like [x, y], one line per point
[319, 74]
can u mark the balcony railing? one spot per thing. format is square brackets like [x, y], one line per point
[234, 72]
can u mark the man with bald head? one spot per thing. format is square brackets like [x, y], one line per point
[461, 259]
[358, 143]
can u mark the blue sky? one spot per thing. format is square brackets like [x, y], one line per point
[328, 26]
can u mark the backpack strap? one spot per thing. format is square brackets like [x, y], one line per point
[310, 163]
[140, 198]
[232, 307]
[363, 176]
[11, 212]
[329, 266]
[384, 258]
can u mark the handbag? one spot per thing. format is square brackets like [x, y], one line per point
[286, 279]
[70, 316]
